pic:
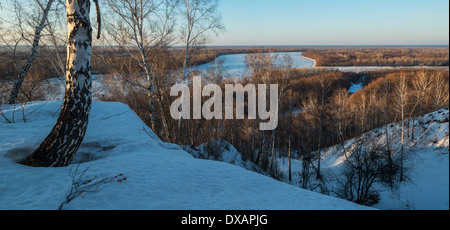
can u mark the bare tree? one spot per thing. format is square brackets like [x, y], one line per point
[339, 103]
[292, 101]
[439, 91]
[262, 66]
[140, 28]
[291, 97]
[420, 84]
[385, 90]
[61, 145]
[201, 17]
[402, 95]
[216, 73]
[361, 111]
[364, 167]
[26, 29]
[323, 90]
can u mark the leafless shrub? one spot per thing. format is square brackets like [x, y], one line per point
[4, 90]
[82, 184]
[306, 172]
[365, 166]
[409, 205]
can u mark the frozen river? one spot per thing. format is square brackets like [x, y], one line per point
[235, 65]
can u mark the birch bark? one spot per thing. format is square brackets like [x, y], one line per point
[61, 145]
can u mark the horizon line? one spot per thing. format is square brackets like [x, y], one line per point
[292, 46]
[406, 45]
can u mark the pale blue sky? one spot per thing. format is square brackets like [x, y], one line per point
[334, 22]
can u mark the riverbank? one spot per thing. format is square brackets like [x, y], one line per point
[315, 63]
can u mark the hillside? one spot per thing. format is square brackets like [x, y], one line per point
[135, 170]
[426, 163]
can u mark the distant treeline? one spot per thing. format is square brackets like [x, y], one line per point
[48, 60]
[380, 56]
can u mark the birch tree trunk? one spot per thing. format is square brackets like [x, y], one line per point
[403, 95]
[24, 71]
[184, 73]
[61, 145]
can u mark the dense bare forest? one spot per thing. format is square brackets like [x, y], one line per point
[394, 56]
[316, 109]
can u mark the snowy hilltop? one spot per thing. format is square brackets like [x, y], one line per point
[123, 165]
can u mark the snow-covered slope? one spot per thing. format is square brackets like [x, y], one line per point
[145, 172]
[426, 163]
[221, 150]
